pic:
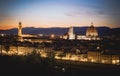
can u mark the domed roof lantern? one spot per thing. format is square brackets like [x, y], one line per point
[92, 24]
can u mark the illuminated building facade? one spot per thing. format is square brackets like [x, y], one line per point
[20, 32]
[21, 37]
[20, 50]
[91, 34]
[94, 56]
[65, 36]
[71, 34]
[91, 31]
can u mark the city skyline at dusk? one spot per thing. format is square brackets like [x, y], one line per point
[59, 13]
[60, 37]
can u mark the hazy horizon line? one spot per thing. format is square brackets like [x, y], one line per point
[60, 27]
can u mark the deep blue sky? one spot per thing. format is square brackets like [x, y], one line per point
[59, 13]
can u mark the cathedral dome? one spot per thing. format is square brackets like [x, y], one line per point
[91, 31]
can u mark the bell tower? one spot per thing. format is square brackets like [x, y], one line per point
[71, 33]
[20, 29]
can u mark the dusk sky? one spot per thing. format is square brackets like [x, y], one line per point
[59, 13]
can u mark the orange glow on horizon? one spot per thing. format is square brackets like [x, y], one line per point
[14, 24]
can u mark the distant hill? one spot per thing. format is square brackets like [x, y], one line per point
[103, 31]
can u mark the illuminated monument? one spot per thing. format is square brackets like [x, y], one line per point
[71, 34]
[20, 35]
[20, 29]
[20, 38]
[91, 34]
[20, 32]
[28, 37]
[91, 31]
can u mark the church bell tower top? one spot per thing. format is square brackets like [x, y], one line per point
[20, 23]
